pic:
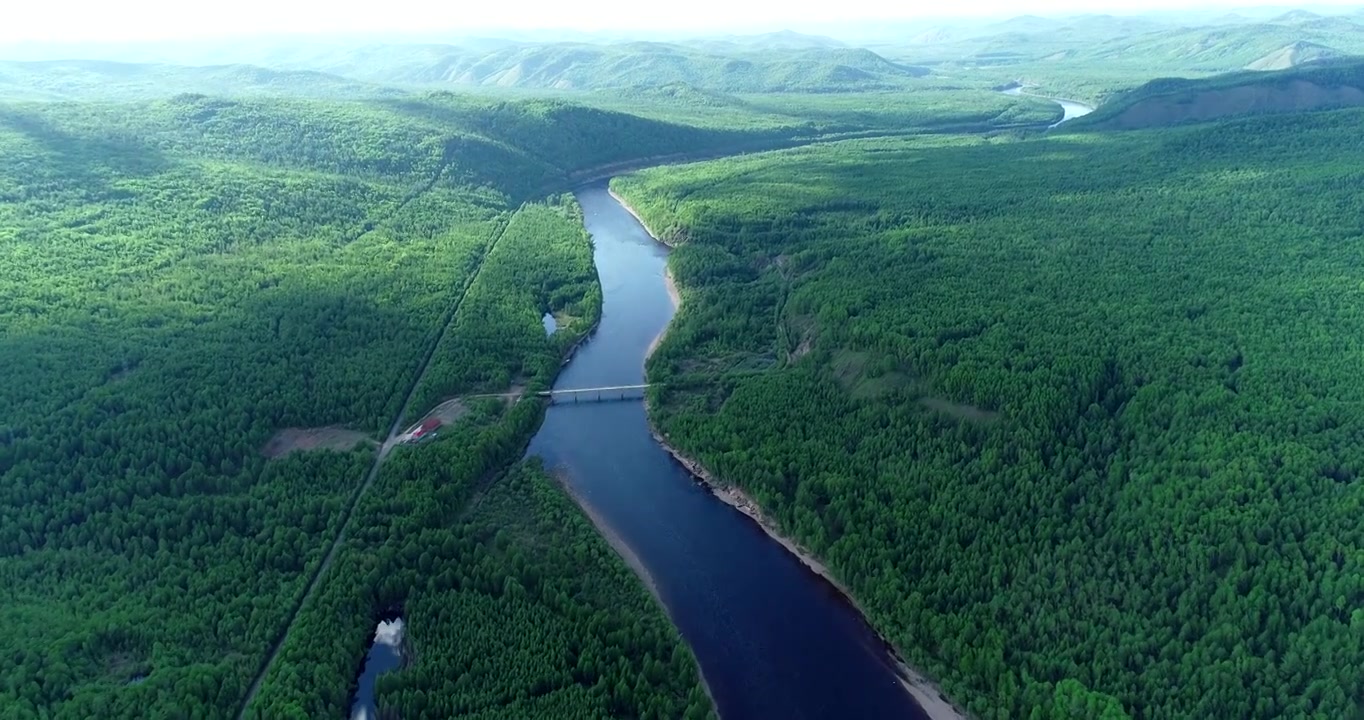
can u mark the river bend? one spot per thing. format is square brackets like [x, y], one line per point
[773, 639]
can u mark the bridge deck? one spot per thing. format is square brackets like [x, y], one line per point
[605, 388]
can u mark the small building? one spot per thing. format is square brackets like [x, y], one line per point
[427, 427]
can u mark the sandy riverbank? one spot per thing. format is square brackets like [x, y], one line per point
[612, 538]
[677, 302]
[928, 695]
[668, 280]
[926, 692]
[636, 215]
[627, 554]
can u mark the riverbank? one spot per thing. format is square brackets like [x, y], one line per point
[668, 280]
[657, 238]
[611, 536]
[627, 554]
[676, 298]
[924, 691]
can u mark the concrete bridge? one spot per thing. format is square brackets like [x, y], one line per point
[605, 393]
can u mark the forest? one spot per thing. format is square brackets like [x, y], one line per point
[1080, 428]
[187, 288]
[1075, 415]
[563, 629]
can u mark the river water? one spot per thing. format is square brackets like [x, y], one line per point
[773, 639]
[1069, 108]
[385, 654]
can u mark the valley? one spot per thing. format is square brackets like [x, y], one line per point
[922, 394]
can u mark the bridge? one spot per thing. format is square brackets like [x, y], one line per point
[598, 394]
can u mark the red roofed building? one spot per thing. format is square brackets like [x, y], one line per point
[428, 425]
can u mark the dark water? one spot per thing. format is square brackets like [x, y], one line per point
[774, 640]
[384, 654]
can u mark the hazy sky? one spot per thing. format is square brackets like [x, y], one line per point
[114, 20]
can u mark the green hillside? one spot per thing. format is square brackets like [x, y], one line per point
[213, 311]
[1225, 48]
[1100, 40]
[1078, 419]
[1172, 101]
[1295, 55]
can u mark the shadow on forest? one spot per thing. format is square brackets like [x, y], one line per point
[84, 158]
[844, 179]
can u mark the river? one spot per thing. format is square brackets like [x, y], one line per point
[1070, 109]
[774, 640]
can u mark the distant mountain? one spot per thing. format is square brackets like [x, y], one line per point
[1228, 47]
[1296, 16]
[1022, 24]
[933, 36]
[1335, 24]
[1294, 55]
[102, 80]
[1164, 42]
[1177, 101]
[574, 66]
[1108, 26]
[781, 40]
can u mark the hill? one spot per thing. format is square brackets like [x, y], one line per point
[1226, 48]
[1022, 24]
[577, 66]
[105, 80]
[1291, 56]
[1077, 419]
[1175, 101]
[187, 281]
[1296, 16]
[780, 40]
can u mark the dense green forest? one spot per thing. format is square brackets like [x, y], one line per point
[195, 291]
[535, 617]
[1075, 417]
[515, 606]
[1172, 101]
[501, 563]
[1078, 419]
[164, 316]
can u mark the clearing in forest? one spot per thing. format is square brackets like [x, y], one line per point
[866, 377]
[960, 411]
[290, 440]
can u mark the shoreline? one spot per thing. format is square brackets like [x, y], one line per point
[925, 692]
[668, 281]
[676, 298]
[615, 196]
[632, 561]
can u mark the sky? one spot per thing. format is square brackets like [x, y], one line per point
[134, 20]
